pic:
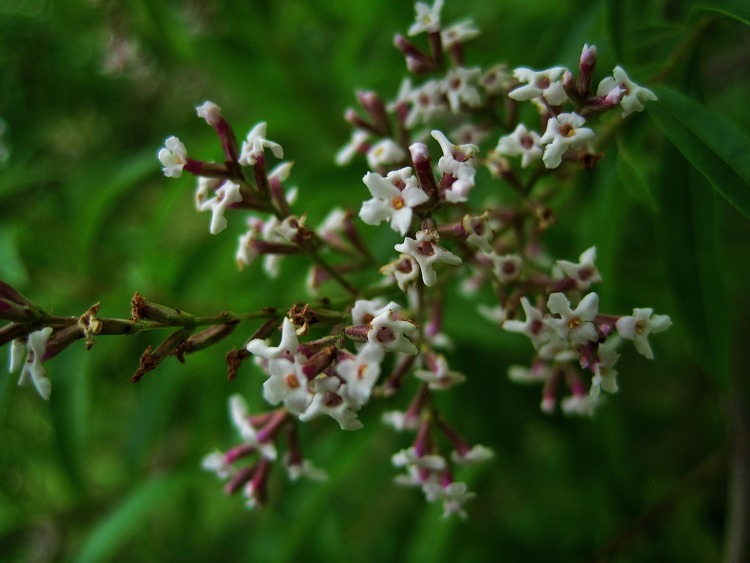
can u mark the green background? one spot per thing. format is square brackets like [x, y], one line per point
[108, 470]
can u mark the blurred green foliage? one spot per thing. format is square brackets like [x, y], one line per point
[111, 471]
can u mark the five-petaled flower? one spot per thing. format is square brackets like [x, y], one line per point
[639, 325]
[394, 198]
[425, 250]
[576, 324]
[563, 132]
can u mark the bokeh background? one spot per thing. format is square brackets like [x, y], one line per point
[110, 471]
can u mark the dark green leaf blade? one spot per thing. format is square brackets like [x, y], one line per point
[687, 232]
[736, 9]
[709, 142]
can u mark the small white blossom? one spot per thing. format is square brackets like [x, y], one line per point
[477, 454]
[394, 198]
[287, 384]
[17, 354]
[533, 326]
[327, 400]
[459, 87]
[540, 84]
[580, 405]
[634, 95]
[256, 143]
[427, 253]
[210, 112]
[357, 144]
[304, 468]
[400, 421]
[216, 462]
[458, 191]
[241, 419]
[497, 80]
[584, 273]
[286, 349]
[173, 157]
[478, 231]
[205, 187]
[521, 142]
[604, 372]
[226, 195]
[385, 153]
[454, 156]
[439, 376]
[574, 325]
[458, 33]
[426, 101]
[360, 374]
[33, 370]
[365, 310]
[428, 18]
[391, 334]
[507, 268]
[563, 132]
[638, 326]
[539, 372]
[454, 496]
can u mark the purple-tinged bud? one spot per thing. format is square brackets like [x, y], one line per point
[239, 479]
[319, 362]
[357, 333]
[11, 311]
[420, 157]
[416, 61]
[571, 90]
[586, 66]
[60, 340]
[9, 293]
[238, 452]
[375, 107]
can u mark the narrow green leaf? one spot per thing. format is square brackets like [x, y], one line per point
[131, 515]
[737, 9]
[687, 232]
[615, 22]
[630, 174]
[709, 142]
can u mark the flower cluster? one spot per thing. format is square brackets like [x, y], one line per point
[336, 355]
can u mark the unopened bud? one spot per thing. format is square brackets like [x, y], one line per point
[144, 310]
[586, 66]
[152, 358]
[204, 339]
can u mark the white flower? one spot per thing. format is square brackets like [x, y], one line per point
[584, 273]
[638, 326]
[428, 18]
[478, 231]
[247, 252]
[357, 144]
[400, 421]
[327, 399]
[454, 156]
[409, 456]
[497, 80]
[563, 132]
[574, 325]
[210, 112]
[205, 186]
[477, 454]
[216, 462]
[256, 143]
[286, 349]
[360, 374]
[580, 405]
[226, 195]
[604, 372]
[521, 142]
[507, 268]
[287, 383]
[394, 197]
[458, 33]
[543, 83]
[173, 157]
[384, 153]
[365, 310]
[241, 418]
[427, 253]
[17, 354]
[496, 315]
[454, 496]
[304, 468]
[539, 372]
[439, 376]
[533, 326]
[426, 101]
[458, 191]
[634, 95]
[390, 334]
[33, 370]
[458, 86]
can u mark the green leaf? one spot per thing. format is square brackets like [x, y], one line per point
[687, 232]
[130, 516]
[630, 174]
[737, 9]
[615, 23]
[709, 142]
